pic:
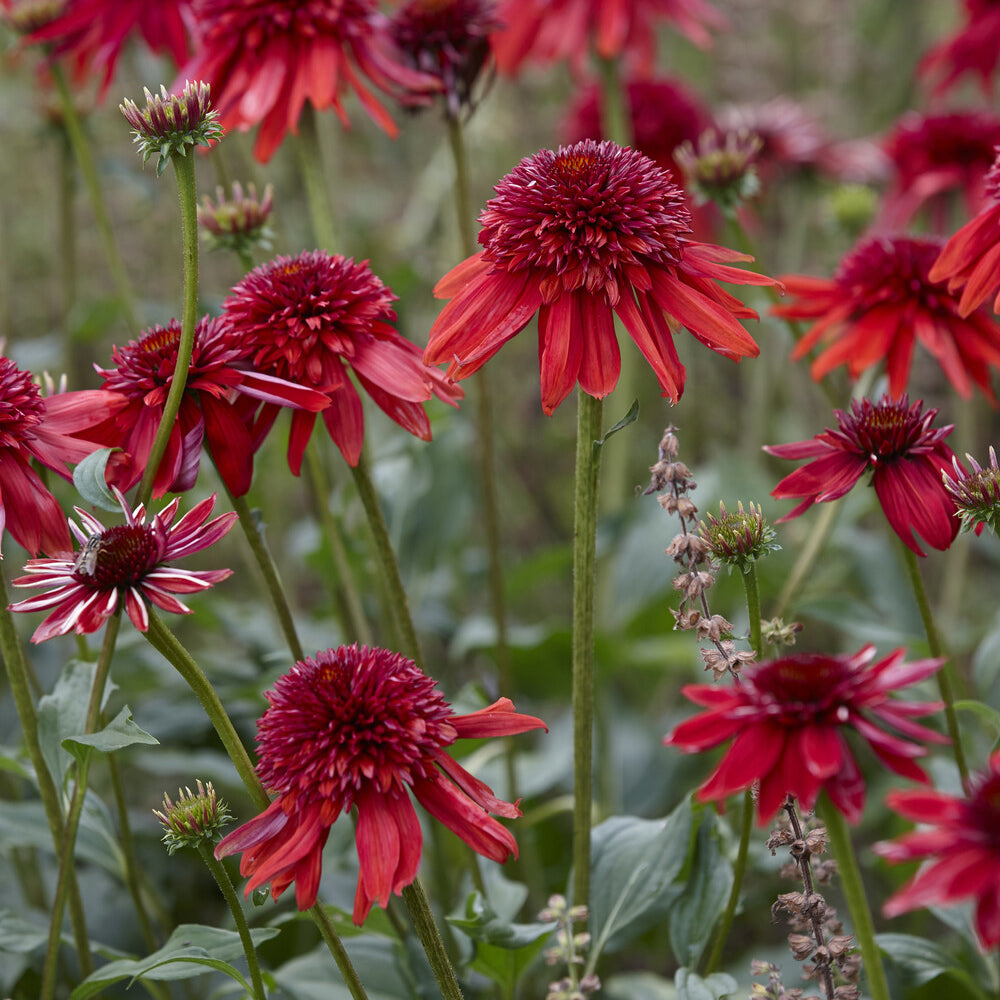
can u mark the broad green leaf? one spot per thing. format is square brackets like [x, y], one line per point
[634, 865]
[505, 965]
[119, 733]
[691, 986]
[10, 762]
[18, 935]
[192, 950]
[88, 478]
[638, 986]
[315, 977]
[922, 960]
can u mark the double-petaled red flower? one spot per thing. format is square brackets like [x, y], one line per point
[970, 260]
[879, 305]
[92, 33]
[960, 845]
[316, 317]
[552, 30]
[221, 395]
[123, 567]
[49, 430]
[578, 236]
[265, 58]
[905, 455]
[974, 48]
[363, 728]
[789, 721]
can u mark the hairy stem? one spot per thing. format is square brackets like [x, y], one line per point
[427, 931]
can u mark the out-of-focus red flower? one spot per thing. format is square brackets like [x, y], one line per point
[879, 305]
[221, 395]
[974, 48]
[970, 260]
[91, 34]
[265, 58]
[362, 728]
[906, 456]
[789, 720]
[48, 430]
[936, 155]
[551, 30]
[123, 566]
[959, 843]
[313, 318]
[577, 236]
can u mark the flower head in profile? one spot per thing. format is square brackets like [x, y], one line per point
[720, 168]
[316, 317]
[577, 236]
[552, 30]
[933, 156]
[738, 537]
[194, 819]
[91, 34]
[221, 395]
[51, 431]
[970, 260]
[976, 493]
[266, 58]
[959, 843]
[905, 455]
[360, 728]
[124, 566]
[789, 721]
[973, 48]
[880, 304]
[239, 221]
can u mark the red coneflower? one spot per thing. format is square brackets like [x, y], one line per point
[360, 727]
[881, 303]
[313, 318]
[974, 48]
[959, 842]
[789, 720]
[907, 459]
[221, 395]
[265, 58]
[123, 566]
[46, 429]
[577, 236]
[550, 30]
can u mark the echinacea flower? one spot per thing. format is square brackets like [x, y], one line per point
[92, 33]
[239, 222]
[970, 260]
[265, 58]
[51, 431]
[906, 456]
[935, 155]
[361, 728]
[577, 236]
[959, 843]
[789, 721]
[221, 395]
[123, 567]
[551, 30]
[974, 48]
[879, 305]
[976, 494]
[313, 318]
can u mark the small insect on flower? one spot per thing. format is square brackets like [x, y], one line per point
[86, 560]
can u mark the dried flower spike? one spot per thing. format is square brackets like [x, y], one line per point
[976, 493]
[171, 122]
[238, 222]
[740, 537]
[195, 818]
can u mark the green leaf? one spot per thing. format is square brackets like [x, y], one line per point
[634, 865]
[191, 950]
[376, 960]
[119, 733]
[9, 762]
[88, 478]
[922, 960]
[638, 986]
[505, 965]
[989, 717]
[19, 936]
[630, 418]
[715, 987]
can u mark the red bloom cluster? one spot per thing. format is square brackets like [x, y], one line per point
[361, 728]
[789, 721]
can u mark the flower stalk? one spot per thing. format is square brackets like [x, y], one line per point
[430, 938]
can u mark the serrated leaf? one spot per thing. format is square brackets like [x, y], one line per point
[690, 986]
[88, 478]
[119, 733]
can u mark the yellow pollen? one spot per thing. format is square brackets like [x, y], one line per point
[161, 340]
[573, 164]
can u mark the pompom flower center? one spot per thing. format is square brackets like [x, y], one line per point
[21, 405]
[118, 557]
[803, 688]
[882, 271]
[887, 430]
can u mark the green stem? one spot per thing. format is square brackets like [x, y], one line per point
[272, 581]
[349, 597]
[310, 157]
[753, 608]
[854, 891]
[588, 432]
[222, 879]
[807, 555]
[18, 677]
[66, 848]
[423, 922]
[85, 161]
[188, 198]
[386, 557]
[945, 676]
